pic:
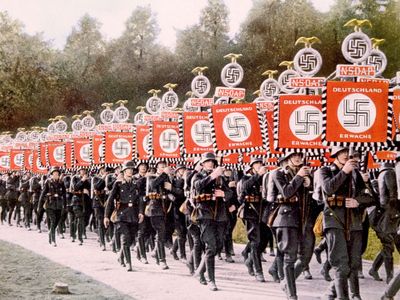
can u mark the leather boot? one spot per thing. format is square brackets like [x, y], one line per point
[161, 254]
[341, 288]
[142, 250]
[325, 272]
[290, 281]
[121, 259]
[210, 265]
[127, 254]
[389, 268]
[354, 285]
[174, 250]
[200, 270]
[378, 261]
[182, 248]
[256, 257]
[249, 265]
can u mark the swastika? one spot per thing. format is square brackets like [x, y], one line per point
[201, 133]
[121, 148]
[169, 100]
[121, 114]
[307, 62]
[269, 90]
[58, 153]
[153, 105]
[19, 159]
[107, 116]
[200, 85]
[237, 127]
[5, 161]
[85, 153]
[357, 48]
[169, 140]
[376, 61]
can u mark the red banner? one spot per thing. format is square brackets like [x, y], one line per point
[299, 123]
[357, 112]
[142, 142]
[4, 161]
[68, 155]
[269, 115]
[36, 165]
[82, 153]
[165, 139]
[236, 127]
[118, 147]
[197, 138]
[396, 113]
[42, 153]
[17, 160]
[28, 161]
[56, 153]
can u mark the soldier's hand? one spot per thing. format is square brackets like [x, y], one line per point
[84, 177]
[219, 193]
[232, 184]
[351, 203]
[141, 218]
[168, 170]
[365, 177]
[198, 167]
[232, 208]
[349, 166]
[106, 222]
[262, 171]
[167, 186]
[217, 172]
[304, 171]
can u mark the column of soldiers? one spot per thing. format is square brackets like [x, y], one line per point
[141, 206]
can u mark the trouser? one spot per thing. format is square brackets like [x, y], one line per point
[385, 256]
[99, 216]
[17, 212]
[195, 254]
[128, 233]
[79, 221]
[393, 286]
[72, 222]
[62, 225]
[169, 228]
[53, 218]
[158, 224]
[116, 238]
[305, 250]
[181, 231]
[3, 204]
[345, 259]
[287, 241]
[28, 214]
[11, 206]
[144, 234]
[228, 241]
[257, 236]
[211, 234]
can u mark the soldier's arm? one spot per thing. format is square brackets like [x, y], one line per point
[331, 184]
[64, 195]
[286, 189]
[389, 184]
[249, 182]
[110, 201]
[202, 183]
[99, 185]
[42, 195]
[159, 181]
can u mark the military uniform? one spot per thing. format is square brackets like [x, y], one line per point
[3, 201]
[52, 199]
[24, 199]
[124, 199]
[211, 216]
[343, 227]
[80, 190]
[98, 204]
[11, 195]
[287, 223]
[36, 189]
[145, 228]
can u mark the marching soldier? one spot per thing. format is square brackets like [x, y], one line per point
[212, 192]
[11, 194]
[24, 199]
[252, 202]
[290, 183]
[159, 195]
[3, 200]
[128, 209]
[52, 199]
[345, 194]
[386, 226]
[80, 187]
[99, 199]
[178, 183]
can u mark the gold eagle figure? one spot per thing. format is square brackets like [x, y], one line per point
[358, 24]
[107, 104]
[287, 63]
[307, 41]
[154, 92]
[233, 56]
[122, 102]
[270, 73]
[377, 42]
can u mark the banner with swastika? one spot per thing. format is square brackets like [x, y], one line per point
[237, 128]
[42, 149]
[142, 149]
[68, 155]
[17, 160]
[56, 154]
[81, 153]
[4, 161]
[118, 147]
[165, 140]
[396, 116]
[298, 122]
[97, 149]
[28, 161]
[195, 133]
[269, 118]
[357, 114]
[37, 168]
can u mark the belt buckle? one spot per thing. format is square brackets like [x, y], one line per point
[130, 204]
[55, 195]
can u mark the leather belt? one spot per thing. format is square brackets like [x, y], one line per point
[203, 197]
[154, 196]
[336, 201]
[252, 199]
[290, 200]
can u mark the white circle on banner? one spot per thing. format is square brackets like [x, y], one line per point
[153, 105]
[169, 101]
[100, 150]
[232, 74]
[305, 122]
[236, 127]
[169, 140]
[88, 123]
[19, 159]
[59, 154]
[121, 114]
[146, 144]
[307, 62]
[85, 152]
[356, 47]
[121, 148]
[200, 86]
[30, 159]
[201, 133]
[356, 113]
[5, 162]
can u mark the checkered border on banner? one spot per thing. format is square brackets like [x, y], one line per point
[181, 140]
[364, 146]
[156, 159]
[47, 155]
[310, 151]
[261, 123]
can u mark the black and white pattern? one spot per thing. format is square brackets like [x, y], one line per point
[236, 127]
[77, 125]
[59, 154]
[169, 140]
[107, 116]
[283, 81]
[5, 161]
[269, 88]
[169, 101]
[61, 126]
[153, 105]
[200, 86]
[121, 114]
[377, 59]
[88, 123]
[139, 118]
[121, 148]
[232, 74]
[51, 128]
[19, 160]
[85, 153]
[305, 122]
[201, 133]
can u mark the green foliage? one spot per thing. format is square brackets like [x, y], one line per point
[38, 82]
